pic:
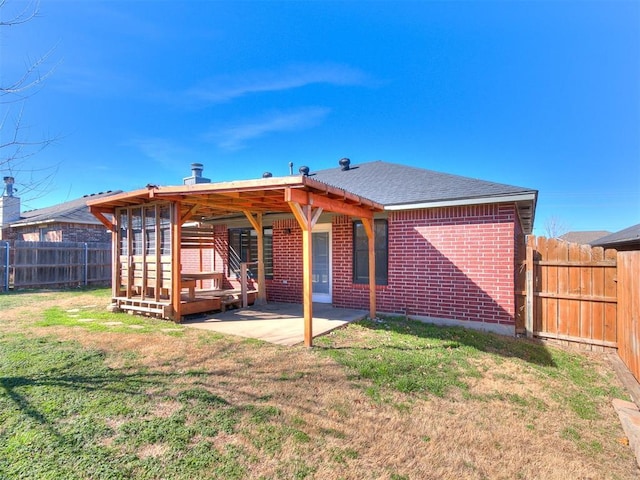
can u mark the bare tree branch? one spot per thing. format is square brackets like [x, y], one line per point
[29, 12]
[17, 146]
[27, 81]
[555, 227]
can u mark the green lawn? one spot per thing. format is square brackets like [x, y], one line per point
[89, 394]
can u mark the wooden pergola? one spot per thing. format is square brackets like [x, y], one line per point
[166, 209]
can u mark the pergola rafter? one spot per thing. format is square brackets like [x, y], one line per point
[301, 196]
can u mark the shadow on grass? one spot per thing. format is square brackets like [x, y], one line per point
[414, 335]
[47, 380]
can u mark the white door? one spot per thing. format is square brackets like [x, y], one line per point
[321, 272]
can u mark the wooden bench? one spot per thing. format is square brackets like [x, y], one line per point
[188, 280]
[191, 285]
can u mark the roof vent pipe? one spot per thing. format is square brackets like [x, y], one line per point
[196, 175]
[290, 168]
[267, 175]
[344, 164]
[196, 170]
[304, 170]
[8, 186]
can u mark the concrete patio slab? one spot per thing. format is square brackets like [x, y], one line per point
[280, 323]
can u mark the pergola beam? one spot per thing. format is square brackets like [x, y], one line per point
[189, 213]
[338, 206]
[306, 217]
[98, 213]
[304, 197]
[369, 225]
[176, 234]
[256, 223]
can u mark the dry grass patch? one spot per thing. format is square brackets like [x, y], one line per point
[390, 400]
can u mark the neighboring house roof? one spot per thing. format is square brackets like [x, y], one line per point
[627, 237]
[584, 237]
[73, 211]
[399, 187]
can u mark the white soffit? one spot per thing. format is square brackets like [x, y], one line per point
[464, 201]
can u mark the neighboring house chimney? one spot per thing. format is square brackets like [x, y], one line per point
[9, 205]
[196, 175]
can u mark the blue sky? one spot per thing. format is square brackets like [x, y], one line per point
[539, 94]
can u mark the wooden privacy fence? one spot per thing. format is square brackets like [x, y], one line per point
[570, 292]
[54, 264]
[582, 294]
[629, 310]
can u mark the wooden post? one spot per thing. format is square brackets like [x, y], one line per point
[371, 234]
[529, 289]
[306, 218]
[145, 269]
[130, 263]
[116, 268]
[158, 246]
[257, 224]
[176, 234]
[307, 279]
[243, 284]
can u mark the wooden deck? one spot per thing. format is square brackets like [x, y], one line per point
[200, 301]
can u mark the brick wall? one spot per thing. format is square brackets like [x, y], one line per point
[286, 285]
[59, 232]
[451, 263]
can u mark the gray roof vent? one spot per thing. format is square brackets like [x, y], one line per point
[344, 164]
[267, 175]
[196, 175]
[304, 170]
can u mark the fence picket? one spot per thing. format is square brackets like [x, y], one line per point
[574, 292]
[610, 290]
[629, 310]
[59, 264]
[586, 288]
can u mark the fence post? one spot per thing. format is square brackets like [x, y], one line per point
[243, 284]
[528, 319]
[86, 264]
[5, 287]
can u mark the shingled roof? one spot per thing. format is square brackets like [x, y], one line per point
[629, 237]
[584, 237]
[73, 211]
[400, 187]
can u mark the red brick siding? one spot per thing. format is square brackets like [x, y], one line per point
[454, 263]
[286, 285]
[59, 232]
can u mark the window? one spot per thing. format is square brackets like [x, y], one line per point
[141, 226]
[150, 230]
[165, 229]
[124, 232]
[243, 247]
[136, 231]
[361, 252]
